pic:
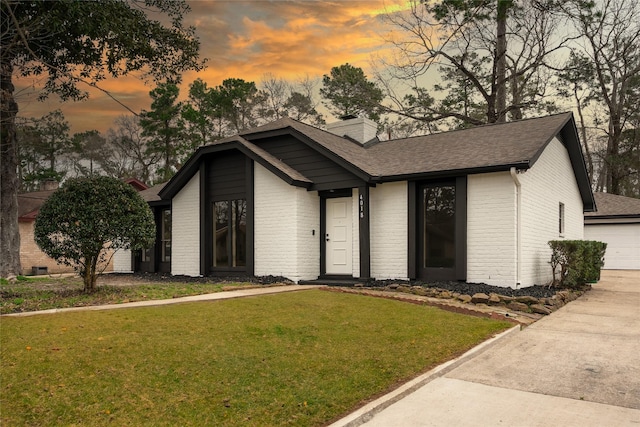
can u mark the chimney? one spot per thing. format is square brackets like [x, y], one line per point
[359, 128]
[48, 185]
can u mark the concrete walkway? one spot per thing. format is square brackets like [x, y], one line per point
[580, 366]
[205, 297]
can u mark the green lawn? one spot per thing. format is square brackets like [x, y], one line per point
[299, 358]
[43, 293]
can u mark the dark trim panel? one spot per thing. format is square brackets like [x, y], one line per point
[203, 218]
[250, 231]
[412, 270]
[461, 228]
[364, 232]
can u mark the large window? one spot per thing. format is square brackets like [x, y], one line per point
[439, 226]
[165, 255]
[230, 231]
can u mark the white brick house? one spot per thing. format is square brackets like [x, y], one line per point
[292, 200]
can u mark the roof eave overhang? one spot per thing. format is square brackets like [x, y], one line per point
[611, 219]
[452, 173]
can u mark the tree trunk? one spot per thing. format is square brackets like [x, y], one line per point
[501, 61]
[9, 232]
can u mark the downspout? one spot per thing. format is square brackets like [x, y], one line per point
[514, 175]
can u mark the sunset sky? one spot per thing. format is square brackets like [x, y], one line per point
[244, 39]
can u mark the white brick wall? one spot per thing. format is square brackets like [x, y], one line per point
[492, 220]
[389, 230]
[491, 239]
[185, 218]
[285, 218]
[549, 182]
[122, 261]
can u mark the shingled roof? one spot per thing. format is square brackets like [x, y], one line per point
[496, 146]
[614, 206]
[489, 148]
[478, 149]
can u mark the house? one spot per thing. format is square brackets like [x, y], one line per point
[158, 257]
[32, 259]
[616, 222]
[289, 199]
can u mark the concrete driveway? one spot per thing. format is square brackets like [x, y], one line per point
[580, 366]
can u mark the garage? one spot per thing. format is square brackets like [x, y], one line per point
[616, 222]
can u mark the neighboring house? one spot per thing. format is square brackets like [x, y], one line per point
[292, 200]
[32, 259]
[616, 222]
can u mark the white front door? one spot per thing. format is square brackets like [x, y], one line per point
[338, 230]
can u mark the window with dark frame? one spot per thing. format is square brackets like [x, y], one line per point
[230, 228]
[165, 255]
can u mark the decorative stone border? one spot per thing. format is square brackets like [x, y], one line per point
[521, 309]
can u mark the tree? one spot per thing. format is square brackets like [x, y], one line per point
[70, 43]
[129, 154]
[87, 219]
[348, 92]
[574, 82]
[88, 152]
[238, 100]
[198, 113]
[494, 57]
[611, 33]
[164, 126]
[45, 143]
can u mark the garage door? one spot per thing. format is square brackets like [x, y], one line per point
[623, 244]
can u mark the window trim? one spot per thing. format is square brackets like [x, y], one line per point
[561, 219]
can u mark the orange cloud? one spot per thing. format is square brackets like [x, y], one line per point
[247, 39]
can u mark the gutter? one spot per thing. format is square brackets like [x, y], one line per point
[516, 181]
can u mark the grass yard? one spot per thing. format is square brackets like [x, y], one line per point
[299, 358]
[43, 293]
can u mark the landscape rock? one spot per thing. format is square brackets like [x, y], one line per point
[518, 306]
[540, 309]
[506, 299]
[445, 295]
[480, 298]
[494, 299]
[464, 298]
[527, 299]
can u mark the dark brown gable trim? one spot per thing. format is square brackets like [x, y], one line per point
[182, 177]
[340, 161]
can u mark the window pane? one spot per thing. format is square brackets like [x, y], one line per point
[221, 227]
[146, 255]
[166, 236]
[240, 233]
[439, 226]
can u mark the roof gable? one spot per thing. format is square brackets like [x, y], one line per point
[285, 172]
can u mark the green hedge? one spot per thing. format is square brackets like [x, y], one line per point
[579, 261]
